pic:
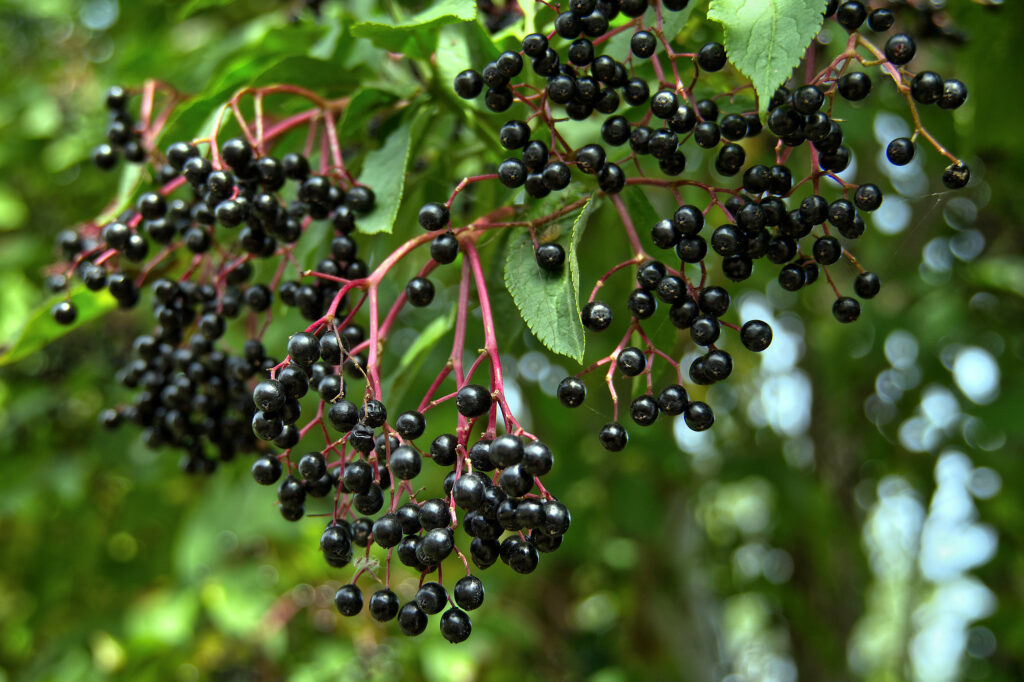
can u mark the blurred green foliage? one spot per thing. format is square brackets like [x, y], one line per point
[756, 553]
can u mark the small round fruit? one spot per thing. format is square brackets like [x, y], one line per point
[473, 400]
[613, 437]
[572, 391]
[349, 600]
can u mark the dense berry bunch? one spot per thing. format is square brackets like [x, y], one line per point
[214, 242]
[801, 226]
[122, 133]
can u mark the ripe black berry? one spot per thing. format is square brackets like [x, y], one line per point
[443, 450]
[712, 57]
[643, 44]
[954, 93]
[596, 316]
[698, 416]
[714, 301]
[469, 592]
[642, 304]
[571, 391]
[456, 625]
[631, 361]
[468, 84]
[956, 175]
[433, 216]
[505, 451]
[900, 49]
[405, 463]
[613, 437]
[851, 15]
[312, 466]
[854, 86]
[550, 257]
[266, 470]
[445, 248]
[64, 312]
[473, 400]
[900, 151]
[705, 330]
[534, 45]
[673, 400]
[537, 459]
[827, 250]
[411, 620]
[556, 176]
[420, 291]
[343, 415]
[383, 605]
[431, 597]
[868, 197]
[867, 285]
[410, 425]
[349, 600]
[644, 410]
[512, 173]
[756, 335]
[846, 309]
[303, 349]
[926, 87]
[881, 20]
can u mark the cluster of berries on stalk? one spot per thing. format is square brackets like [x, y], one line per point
[768, 215]
[215, 218]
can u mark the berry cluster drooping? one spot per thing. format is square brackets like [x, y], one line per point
[803, 226]
[229, 233]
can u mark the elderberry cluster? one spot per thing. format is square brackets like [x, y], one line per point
[372, 455]
[192, 394]
[122, 135]
[214, 217]
[768, 217]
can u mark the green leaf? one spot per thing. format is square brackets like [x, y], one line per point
[315, 244]
[672, 23]
[460, 47]
[364, 105]
[384, 172]
[640, 209]
[417, 36]
[549, 302]
[766, 39]
[128, 184]
[193, 6]
[426, 339]
[41, 329]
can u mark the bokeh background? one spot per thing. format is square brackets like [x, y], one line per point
[855, 513]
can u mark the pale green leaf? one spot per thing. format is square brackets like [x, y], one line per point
[416, 36]
[193, 6]
[128, 184]
[549, 302]
[384, 172]
[766, 39]
[42, 329]
[460, 47]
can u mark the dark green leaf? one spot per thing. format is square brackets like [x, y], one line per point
[365, 104]
[549, 302]
[384, 172]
